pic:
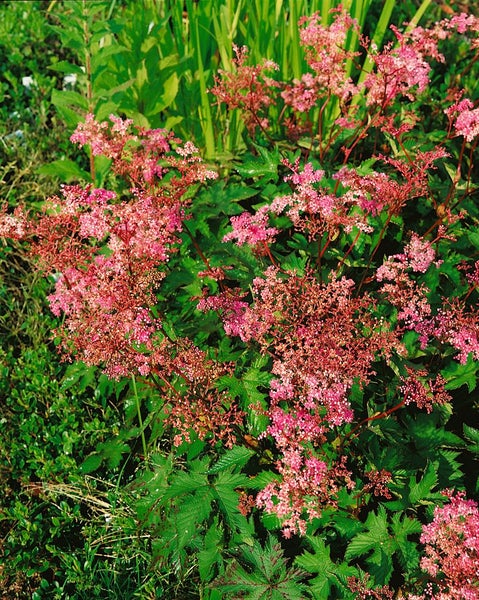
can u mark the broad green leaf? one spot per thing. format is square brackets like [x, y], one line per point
[67, 99]
[329, 573]
[472, 434]
[91, 463]
[238, 456]
[65, 169]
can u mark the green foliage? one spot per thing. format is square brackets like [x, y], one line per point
[97, 500]
[328, 575]
[261, 573]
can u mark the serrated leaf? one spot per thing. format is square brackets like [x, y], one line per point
[185, 483]
[402, 526]
[238, 456]
[380, 566]
[471, 433]
[375, 536]
[63, 66]
[473, 238]
[224, 489]
[264, 166]
[422, 490]
[457, 374]
[66, 99]
[190, 514]
[266, 577]
[329, 573]
[210, 555]
[112, 451]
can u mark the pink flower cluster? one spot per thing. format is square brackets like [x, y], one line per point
[361, 591]
[451, 323]
[252, 229]
[307, 484]
[466, 117]
[326, 54]
[421, 390]
[376, 191]
[321, 340]
[193, 402]
[452, 550]
[106, 253]
[316, 210]
[247, 88]
[401, 69]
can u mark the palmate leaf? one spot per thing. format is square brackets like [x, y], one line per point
[457, 374]
[264, 166]
[184, 483]
[377, 545]
[328, 573]
[261, 574]
[420, 492]
[189, 516]
[401, 527]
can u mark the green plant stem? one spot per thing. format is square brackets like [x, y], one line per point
[140, 419]
[88, 73]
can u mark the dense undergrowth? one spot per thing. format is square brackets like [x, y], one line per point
[239, 325]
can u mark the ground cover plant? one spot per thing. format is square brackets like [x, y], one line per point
[276, 356]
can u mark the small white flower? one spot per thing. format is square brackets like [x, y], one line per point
[28, 82]
[69, 81]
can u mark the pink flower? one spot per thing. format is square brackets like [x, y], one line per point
[417, 389]
[247, 88]
[467, 124]
[326, 54]
[302, 95]
[452, 548]
[251, 229]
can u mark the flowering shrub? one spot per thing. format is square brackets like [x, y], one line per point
[344, 282]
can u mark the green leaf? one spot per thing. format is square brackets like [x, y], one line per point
[63, 66]
[457, 374]
[225, 491]
[238, 456]
[472, 434]
[65, 169]
[91, 463]
[185, 483]
[112, 451]
[329, 573]
[264, 576]
[67, 99]
[158, 102]
[190, 514]
[210, 556]
[264, 166]
[421, 492]
[377, 543]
